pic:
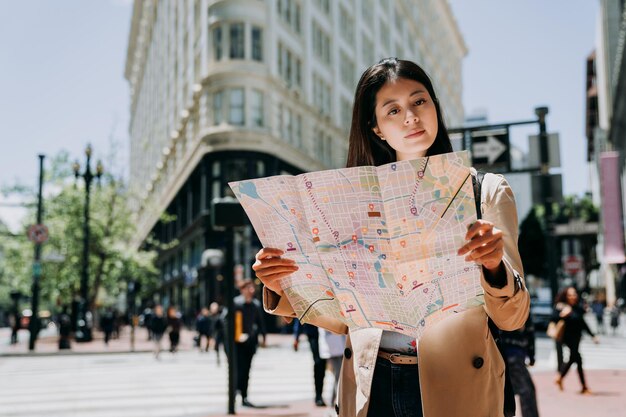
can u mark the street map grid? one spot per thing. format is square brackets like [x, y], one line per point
[375, 246]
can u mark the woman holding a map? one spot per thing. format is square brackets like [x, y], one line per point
[453, 367]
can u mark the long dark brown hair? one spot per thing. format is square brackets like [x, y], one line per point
[365, 147]
[561, 297]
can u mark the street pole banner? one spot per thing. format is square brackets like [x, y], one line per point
[612, 214]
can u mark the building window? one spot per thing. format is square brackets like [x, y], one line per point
[323, 147]
[368, 51]
[290, 12]
[346, 114]
[399, 19]
[324, 6]
[347, 71]
[218, 100]
[235, 107]
[290, 124]
[256, 108]
[384, 37]
[321, 44]
[289, 67]
[346, 25]
[257, 43]
[367, 11]
[400, 51]
[321, 95]
[217, 43]
[236, 41]
[297, 131]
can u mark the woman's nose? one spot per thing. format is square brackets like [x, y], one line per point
[411, 118]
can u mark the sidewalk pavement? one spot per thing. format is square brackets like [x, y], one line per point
[608, 398]
[48, 343]
[48, 340]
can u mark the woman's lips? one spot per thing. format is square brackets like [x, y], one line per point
[414, 134]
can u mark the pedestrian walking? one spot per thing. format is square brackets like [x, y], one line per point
[397, 117]
[249, 325]
[204, 327]
[218, 328]
[319, 363]
[107, 324]
[517, 347]
[65, 329]
[147, 320]
[331, 348]
[15, 324]
[573, 316]
[158, 325]
[597, 306]
[174, 323]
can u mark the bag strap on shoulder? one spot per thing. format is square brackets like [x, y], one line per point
[509, 396]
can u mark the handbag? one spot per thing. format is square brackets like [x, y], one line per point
[556, 330]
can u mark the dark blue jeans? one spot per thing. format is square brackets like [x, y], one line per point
[395, 391]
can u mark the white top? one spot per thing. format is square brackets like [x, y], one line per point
[398, 343]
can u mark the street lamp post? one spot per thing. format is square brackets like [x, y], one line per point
[83, 329]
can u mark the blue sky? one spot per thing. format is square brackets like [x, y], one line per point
[62, 84]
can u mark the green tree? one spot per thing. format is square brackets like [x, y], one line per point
[112, 261]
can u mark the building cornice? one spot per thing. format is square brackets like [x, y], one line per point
[219, 140]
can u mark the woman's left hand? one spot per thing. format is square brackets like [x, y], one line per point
[485, 246]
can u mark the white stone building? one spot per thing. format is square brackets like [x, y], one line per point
[233, 89]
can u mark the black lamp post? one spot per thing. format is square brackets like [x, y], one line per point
[83, 327]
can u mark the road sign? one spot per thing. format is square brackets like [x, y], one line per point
[490, 150]
[37, 269]
[573, 264]
[38, 233]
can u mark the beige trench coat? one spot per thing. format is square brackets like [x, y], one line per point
[460, 369]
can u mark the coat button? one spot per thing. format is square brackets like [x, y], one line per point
[478, 362]
[347, 353]
[337, 408]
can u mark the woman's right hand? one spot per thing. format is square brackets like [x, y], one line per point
[270, 268]
[566, 311]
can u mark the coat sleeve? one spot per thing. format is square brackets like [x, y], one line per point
[280, 306]
[508, 306]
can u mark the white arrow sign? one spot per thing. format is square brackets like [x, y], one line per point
[490, 149]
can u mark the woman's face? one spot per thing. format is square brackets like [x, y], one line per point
[406, 118]
[572, 297]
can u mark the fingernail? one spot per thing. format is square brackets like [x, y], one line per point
[467, 258]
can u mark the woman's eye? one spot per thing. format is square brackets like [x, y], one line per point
[420, 101]
[392, 112]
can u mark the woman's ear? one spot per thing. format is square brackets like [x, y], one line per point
[378, 133]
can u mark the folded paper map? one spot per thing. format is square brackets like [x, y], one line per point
[375, 246]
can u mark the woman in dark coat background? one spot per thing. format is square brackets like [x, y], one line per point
[569, 309]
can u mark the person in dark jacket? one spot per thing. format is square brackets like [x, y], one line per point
[157, 326]
[249, 325]
[204, 327]
[174, 323]
[319, 364]
[517, 346]
[218, 328]
[572, 313]
[107, 324]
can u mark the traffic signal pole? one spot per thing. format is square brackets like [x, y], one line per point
[33, 325]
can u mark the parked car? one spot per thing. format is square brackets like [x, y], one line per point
[540, 312]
